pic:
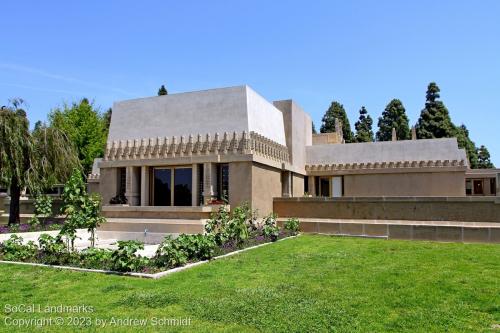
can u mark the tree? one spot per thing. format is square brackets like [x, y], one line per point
[464, 141]
[484, 161]
[434, 121]
[86, 128]
[394, 116]
[336, 111]
[363, 126]
[35, 160]
[162, 91]
[313, 128]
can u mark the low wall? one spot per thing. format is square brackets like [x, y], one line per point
[466, 209]
[27, 206]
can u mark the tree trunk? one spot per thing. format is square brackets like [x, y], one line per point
[15, 197]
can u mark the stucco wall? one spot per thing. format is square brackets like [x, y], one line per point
[200, 112]
[468, 209]
[108, 184]
[240, 183]
[405, 184]
[298, 185]
[266, 185]
[298, 130]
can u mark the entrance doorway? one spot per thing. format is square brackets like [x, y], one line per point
[172, 186]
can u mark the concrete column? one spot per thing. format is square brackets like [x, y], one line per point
[209, 181]
[287, 184]
[132, 188]
[312, 186]
[144, 186]
[194, 185]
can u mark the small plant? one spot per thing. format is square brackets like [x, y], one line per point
[196, 246]
[169, 254]
[96, 258]
[43, 208]
[124, 259]
[292, 225]
[270, 229]
[217, 225]
[93, 218]
[13, 249]
[53, 250]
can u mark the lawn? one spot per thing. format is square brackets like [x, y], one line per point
[310, 283]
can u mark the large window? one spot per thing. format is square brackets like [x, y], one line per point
[493, 186]
[172, 187]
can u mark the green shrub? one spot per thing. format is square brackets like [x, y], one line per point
[235, 227]
[124, 259]
[292, 225]
[53, 251]
[196, 246]
[96, 258]
[13, 249]
[43, 208]
[270, 229]
[169, 254]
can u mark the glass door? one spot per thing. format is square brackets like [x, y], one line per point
[182, 186]
[172, 186]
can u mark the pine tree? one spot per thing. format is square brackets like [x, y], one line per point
[336, 111]
[484, 161]
[394, 116]
[434, 121]
[162, 91]
[364, 132]
[464, 141]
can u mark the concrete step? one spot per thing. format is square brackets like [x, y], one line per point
[446, 231]
[162, 226]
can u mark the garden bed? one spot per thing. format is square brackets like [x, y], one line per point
[51, 224]
[158, 274]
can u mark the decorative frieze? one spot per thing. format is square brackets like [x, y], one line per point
[170, 147]
[385, 165]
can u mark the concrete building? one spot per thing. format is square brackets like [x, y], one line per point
[178, 156]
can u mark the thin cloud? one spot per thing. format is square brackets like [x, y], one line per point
[41, 89]
[39, 72]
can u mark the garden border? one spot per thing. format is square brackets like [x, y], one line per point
[145, 275]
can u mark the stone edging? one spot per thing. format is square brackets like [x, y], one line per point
[144, 275]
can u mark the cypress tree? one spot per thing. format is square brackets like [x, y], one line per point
[394, 116]
[336, 111]
[434, 121]
[464, 141]
[313, 128]
[162, 91]
[364, 132]
[484, 161]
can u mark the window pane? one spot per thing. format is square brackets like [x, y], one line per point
[182, 186]
[162, 187]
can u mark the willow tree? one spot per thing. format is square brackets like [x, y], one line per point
[35, 160]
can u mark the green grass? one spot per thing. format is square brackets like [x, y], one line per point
[311, 283]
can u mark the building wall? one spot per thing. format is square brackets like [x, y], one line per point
[240, 183]
[108, 184]
[266, 185]
[405, 184]
[298, 185]
[466, 209]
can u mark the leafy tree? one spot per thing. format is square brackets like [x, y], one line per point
[434, 121]
[86, 128]
[337, 111]
[484, 161]
[35, 160]
[162, 91]
[364, 132]
[464, 141]
[394, 116]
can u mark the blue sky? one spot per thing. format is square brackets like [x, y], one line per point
[356, 52]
